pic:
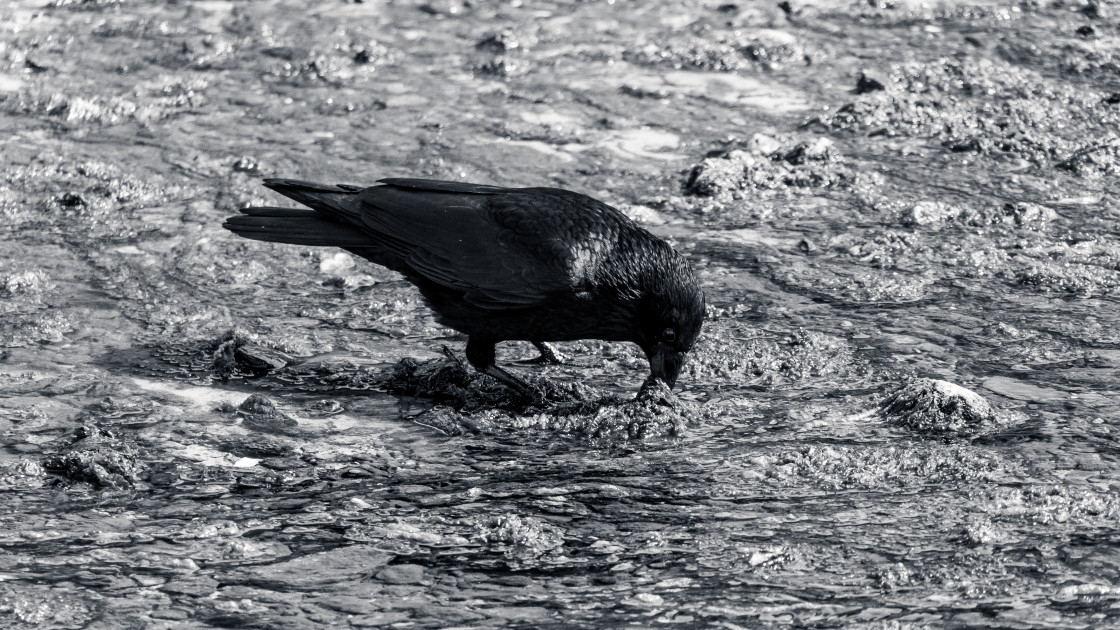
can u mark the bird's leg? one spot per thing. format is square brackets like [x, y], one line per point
[480, 354]
[451, 355]
[549, 355]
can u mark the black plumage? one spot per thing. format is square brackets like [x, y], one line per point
[533, 264]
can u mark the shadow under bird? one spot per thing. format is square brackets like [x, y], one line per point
[499, 264]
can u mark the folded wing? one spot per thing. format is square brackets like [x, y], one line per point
[503, 248]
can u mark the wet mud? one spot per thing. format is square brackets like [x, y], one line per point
[899, 414]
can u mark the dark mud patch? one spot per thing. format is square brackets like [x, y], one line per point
[475, 403]
[738, 354]
[96, 456]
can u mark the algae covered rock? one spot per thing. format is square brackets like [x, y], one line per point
[471, 402]
[97, 456]
[939, 407]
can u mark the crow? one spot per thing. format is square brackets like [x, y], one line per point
[498, 264]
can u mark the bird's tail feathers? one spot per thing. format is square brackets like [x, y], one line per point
[289, 225]
[326, 198]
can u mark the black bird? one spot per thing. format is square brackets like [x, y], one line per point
[498, 264]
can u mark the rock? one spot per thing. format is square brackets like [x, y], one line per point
[235, 353]
[1025, 213]
[261, 413]
[1087, 31]
[935, 406]
[258, 359]
[336, 263]
[762, 144]
[818, 150]
[1094, 10]
[871, 81]
[98, 457]
[348, 604]
[1020, 390]
[928, 212]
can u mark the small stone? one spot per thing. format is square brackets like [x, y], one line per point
[247, 164]
[762, 144]
[929, 212]
[253, 358]
[262, 414]
[336, 263]
[871, 81]
[935, 406]
[818, 150]
[644, 600]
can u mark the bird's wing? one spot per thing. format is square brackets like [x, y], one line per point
[504, 248]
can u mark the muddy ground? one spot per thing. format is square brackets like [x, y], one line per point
[902, 413]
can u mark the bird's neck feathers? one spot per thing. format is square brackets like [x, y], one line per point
[657, 287]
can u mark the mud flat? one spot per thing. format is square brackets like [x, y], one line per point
[900, 413]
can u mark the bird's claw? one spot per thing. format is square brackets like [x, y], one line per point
[548, 356]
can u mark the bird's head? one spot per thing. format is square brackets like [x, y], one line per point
[669, 323]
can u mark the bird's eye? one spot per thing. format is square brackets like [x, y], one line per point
[669, 334]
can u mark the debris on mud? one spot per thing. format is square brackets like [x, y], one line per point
[728, 52]
[867, 466]
[936, 407]
[768, 163]
[1017, 214]
[734, 353]
[833, 281]
[98, 457]
[519, 536]
[479, 404]
[234, 353]
[994, 108]
[450, 382]
[1100, 159]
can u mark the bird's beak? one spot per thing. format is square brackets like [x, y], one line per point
[665, 363]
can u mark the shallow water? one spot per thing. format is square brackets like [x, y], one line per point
[901, 413]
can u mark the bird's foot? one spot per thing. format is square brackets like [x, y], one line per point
[451, 355]
[548, 356]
